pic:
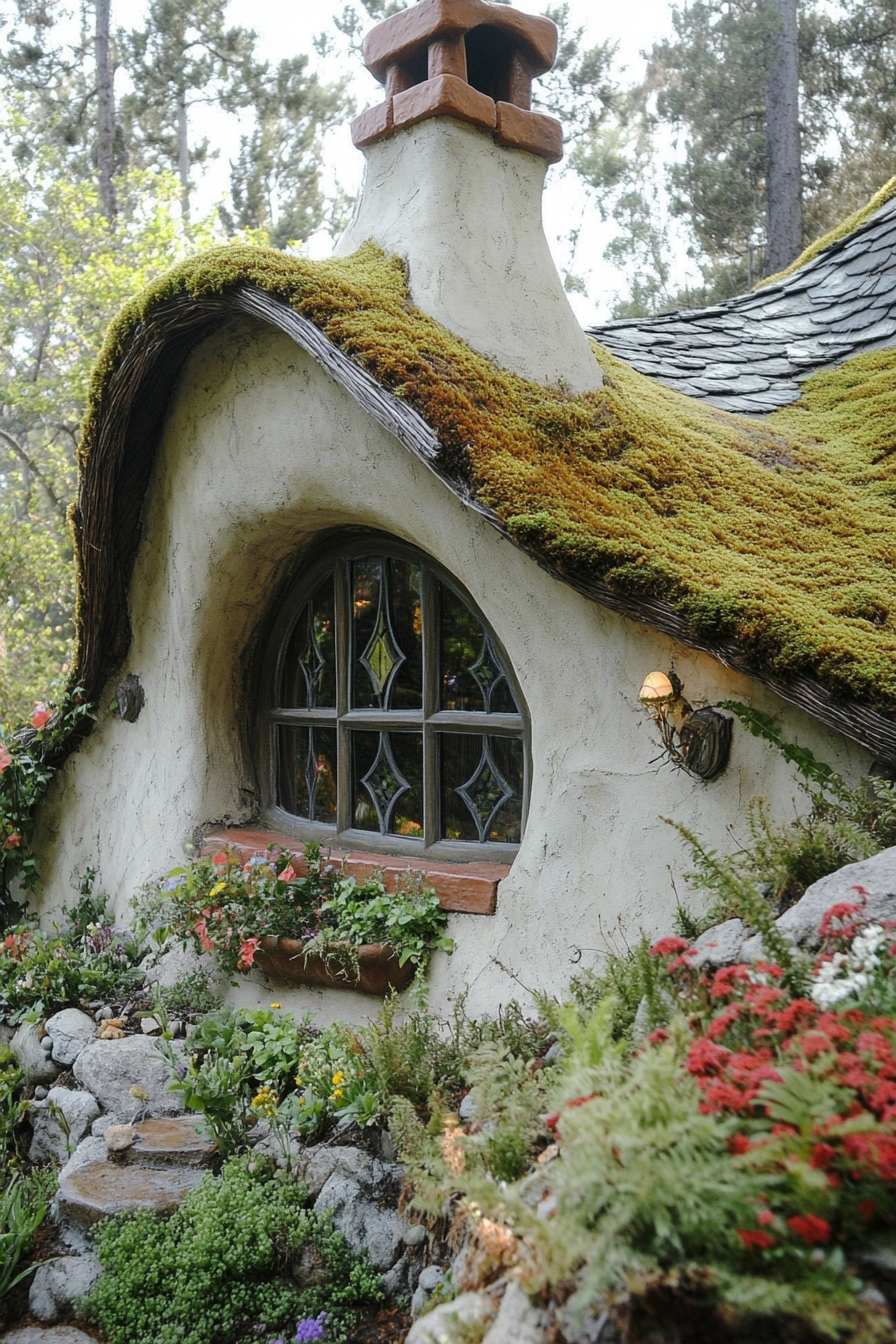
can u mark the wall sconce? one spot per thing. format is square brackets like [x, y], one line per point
[696, 740]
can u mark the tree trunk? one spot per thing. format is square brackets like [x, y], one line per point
[105, 140]
[785, 202]
[183, 155]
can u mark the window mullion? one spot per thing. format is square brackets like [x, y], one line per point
[343, 666]
[432, 829]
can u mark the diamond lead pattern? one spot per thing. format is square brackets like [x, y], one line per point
[485, 792]
[487, 671]
[385, 783]
[312, 663]
[382, 657]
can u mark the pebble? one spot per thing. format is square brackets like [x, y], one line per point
[415, 1236]
[41, 1093]
[103, 1014]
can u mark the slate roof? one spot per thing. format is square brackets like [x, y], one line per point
[751, 353]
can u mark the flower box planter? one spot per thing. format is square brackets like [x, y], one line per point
[378, 968]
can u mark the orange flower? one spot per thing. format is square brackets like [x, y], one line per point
[220, 860]
[41, 716]
[289, 874]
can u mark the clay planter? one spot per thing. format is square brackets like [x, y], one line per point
[378, 967]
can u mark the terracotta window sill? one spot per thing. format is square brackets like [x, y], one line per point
[465, 888]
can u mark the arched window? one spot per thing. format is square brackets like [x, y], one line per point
[394, 720]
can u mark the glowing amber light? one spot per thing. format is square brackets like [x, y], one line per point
[657, 686]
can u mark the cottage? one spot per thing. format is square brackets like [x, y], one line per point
[379, 550]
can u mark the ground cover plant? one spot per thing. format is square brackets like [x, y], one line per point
[24, 1201]
[231, 1263]
[740, 1155]
[225, 906]
[84, 960]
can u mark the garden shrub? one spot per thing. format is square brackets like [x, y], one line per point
[741, 1158]
[23, 1206]
[41, 972]
[223, 1267]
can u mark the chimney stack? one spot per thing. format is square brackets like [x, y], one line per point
[456, 162]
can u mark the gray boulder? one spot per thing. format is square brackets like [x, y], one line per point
[322, 1161]
[365, 1226]
[129, 1077]
[60, 1123]
[876, 876]
[720, 945]
[69, 1031]
[31, 1057]
[59, 1283]
[453, 1322]
[56, 1334]
[517, 1321]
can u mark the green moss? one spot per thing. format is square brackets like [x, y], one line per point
[780, 535]
[846, 226]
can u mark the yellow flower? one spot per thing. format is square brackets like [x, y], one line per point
[276, 1005]
[218, 887]
[265, 1101]
[337, 1093]
[338, 1078]
[298, 1081]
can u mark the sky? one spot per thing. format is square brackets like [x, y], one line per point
[286, 29]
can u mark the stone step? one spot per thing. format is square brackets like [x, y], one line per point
[100, 1189]
[171, 1141]
[53, 1334]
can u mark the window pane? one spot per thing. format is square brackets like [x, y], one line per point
[387, 783]
[472, 676]
[307, 773]
[406, 583]
[482, 788]
[309, 668]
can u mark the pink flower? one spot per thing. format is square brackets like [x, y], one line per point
[13, 841]
[41, 716]
[289, 874]
[247, 953]
[201, 932]
[5, 758]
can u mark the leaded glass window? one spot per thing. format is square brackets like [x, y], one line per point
[395, 711]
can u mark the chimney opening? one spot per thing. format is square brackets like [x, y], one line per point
[407, 74]
[490, 55]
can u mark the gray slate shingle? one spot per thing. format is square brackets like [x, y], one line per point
[751, 353]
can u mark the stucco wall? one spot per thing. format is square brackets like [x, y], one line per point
[261, 451]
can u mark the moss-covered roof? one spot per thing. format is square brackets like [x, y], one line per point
[774, 543]
[841, 230]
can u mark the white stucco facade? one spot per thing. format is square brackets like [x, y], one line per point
[262, 451]
[465, 214]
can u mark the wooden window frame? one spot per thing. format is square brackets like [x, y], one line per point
[336, 555]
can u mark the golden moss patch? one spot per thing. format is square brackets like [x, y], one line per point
[780, 536]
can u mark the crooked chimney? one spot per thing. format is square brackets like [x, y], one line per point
[456, 163]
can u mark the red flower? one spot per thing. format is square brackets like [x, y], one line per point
[758, 1241]
[657, 1037]
[13, 841]
[822, 1156]
[289, 874]
[220, 860]
[723, 1020]
[553, 1120]
[844, 915]
[724, 980]
[706, 1059]
[810, 1227]
[41, 716]
[667, 947]
[737, 1144]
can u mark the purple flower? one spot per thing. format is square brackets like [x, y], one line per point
[310, 1329]
[172, 883]
[181, 1071]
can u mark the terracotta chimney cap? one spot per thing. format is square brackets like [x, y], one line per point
[467, 59]
[400, 37]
